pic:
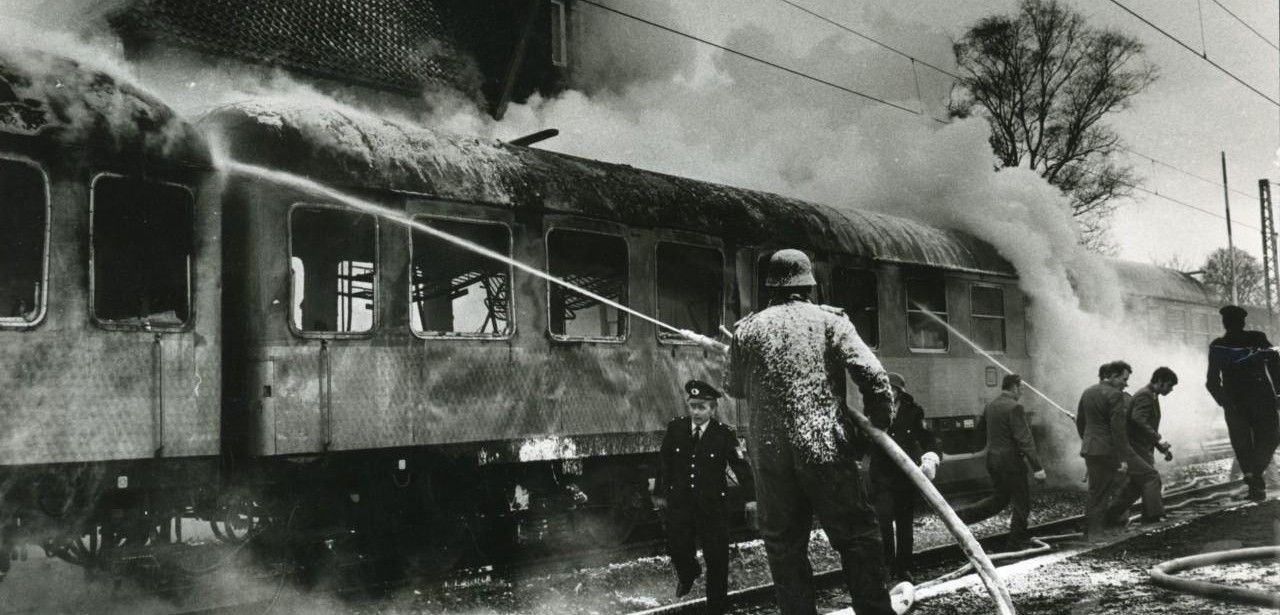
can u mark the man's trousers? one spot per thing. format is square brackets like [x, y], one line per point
[789, 493]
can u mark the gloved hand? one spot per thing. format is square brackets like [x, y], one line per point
[1164, 447]
[1124, 467]
[1040, 476]
[929, 465]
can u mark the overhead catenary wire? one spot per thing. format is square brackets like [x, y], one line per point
[1246, 25]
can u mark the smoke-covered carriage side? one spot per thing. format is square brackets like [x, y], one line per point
[109, 312]
[380, 365]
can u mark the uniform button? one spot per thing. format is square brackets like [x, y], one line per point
[690, 475]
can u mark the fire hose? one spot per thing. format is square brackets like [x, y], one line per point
[1162, 575]
[968, 544]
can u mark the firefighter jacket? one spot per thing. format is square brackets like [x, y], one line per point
[911, 433]
[1101, 420]
[1144, 421]
[1009, 439]
[789, 361]
[692, 474]
[1242, 363]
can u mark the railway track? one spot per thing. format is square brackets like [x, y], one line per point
[934, 559]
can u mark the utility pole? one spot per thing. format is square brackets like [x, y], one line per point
[1231, 245]
[1268, 242]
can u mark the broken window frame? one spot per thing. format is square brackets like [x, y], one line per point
[1003, 318]
[910, 309]
[626, 287]
[42, 298]
[186, 325]
[837, 278]
[511, 294]
[667, 337]
[377, 275]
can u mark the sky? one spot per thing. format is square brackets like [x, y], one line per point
[1193, 112]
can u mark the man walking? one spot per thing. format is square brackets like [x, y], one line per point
[1244, 372]
[1011, 449]
[1100, 421]
[893, 495]
[789, 361]
[1144, 439]
[695, 507]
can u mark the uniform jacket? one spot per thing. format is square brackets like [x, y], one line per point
[1009, 439]
[1144, 421]
[1242, 362]
[789, 361]
[692, 474]
[1101, 419]
[909, 430]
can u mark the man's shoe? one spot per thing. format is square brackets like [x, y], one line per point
[1145, 520]
[1257, 494]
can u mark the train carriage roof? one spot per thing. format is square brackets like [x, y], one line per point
[1145, 280]
[349, 148]
[51, 98]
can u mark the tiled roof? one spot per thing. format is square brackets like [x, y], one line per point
[389, 44]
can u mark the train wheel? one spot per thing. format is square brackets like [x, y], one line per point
[237, 519]
[616, 507]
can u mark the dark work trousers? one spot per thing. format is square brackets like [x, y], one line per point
[1254, 429]
[1143, 482]
[690, 525]
[1009, 488]
[1105, 482]
[895, 512]
[788, 493]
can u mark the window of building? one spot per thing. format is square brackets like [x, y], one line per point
[333, 262]
[559, 34]
[143, 233]
[690, 289]
[594, 262]
[856, 291]
[923, 331]
[988, 317]
[455, 291]
[24, 236]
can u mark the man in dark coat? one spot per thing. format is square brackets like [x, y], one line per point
[791, 361]
[893, 493]
[1244, 372]
[1144, 439]
[1101, 418]
[1011, 450]
[702, 447]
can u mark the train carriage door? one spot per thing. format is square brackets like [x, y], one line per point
[142, 246]
[333, 265]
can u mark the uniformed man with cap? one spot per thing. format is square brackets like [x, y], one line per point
[696, 451]
[892, 493]
[790, 360]
[1244, 372]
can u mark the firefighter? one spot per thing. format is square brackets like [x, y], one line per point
[1244, 372]
[1101, 420]
[1144, 439]
[892, 493]
[1011, 451]
[789, 362]
[696, 511]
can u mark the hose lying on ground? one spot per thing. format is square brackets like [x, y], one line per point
[1162, 575]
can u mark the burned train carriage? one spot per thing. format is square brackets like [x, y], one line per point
[458, 387]
[109, 312]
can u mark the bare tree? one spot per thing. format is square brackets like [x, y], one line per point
[1044, 79]
[1217, 277]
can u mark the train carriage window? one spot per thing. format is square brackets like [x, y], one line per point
[690, 289]
[856, 291]
[456, 292]
[925, 333]
[987, 304]
[24, 235]
[594, 262]
[333, 265]
[143, 236]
